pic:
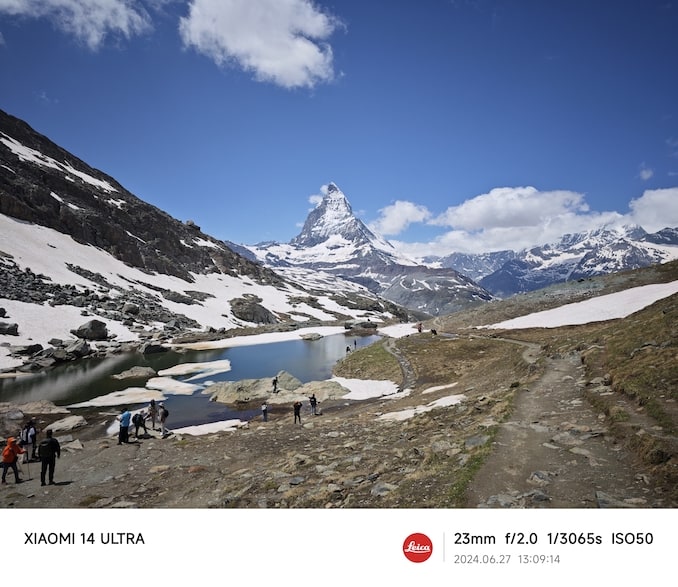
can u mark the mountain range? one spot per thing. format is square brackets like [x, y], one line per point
[72, 237]
[602, 251]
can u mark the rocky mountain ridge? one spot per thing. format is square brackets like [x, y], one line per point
[601, 251]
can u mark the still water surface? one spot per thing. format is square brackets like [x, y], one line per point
[87, 379]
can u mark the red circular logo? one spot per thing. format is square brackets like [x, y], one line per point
[417, 547]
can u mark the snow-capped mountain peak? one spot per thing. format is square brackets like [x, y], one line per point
[335, 241]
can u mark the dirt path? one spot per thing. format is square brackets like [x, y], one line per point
[555, 452]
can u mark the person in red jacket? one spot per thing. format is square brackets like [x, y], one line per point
[10, 454]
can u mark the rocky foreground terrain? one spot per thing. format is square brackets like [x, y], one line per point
[581, 417]
[542, 443]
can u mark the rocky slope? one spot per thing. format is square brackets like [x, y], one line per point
[76, 245]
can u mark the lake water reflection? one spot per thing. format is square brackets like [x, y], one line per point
[90, 378]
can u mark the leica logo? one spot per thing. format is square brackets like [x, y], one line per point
[414, 547]
[417, 547]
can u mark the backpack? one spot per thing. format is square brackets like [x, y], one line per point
[164, 413]
[45, 449]
[138, 420]
[7, 453]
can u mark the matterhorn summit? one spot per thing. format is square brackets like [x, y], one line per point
[334, 241]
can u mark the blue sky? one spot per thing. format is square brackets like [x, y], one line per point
[465, 125]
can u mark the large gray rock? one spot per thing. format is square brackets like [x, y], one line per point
[66, 424]
[92, 330]
[136, 372]
[9, 328]
[79, 348]
[247, 390]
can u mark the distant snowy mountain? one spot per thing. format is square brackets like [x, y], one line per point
[75, 244]
[334, 241]
[574, 256]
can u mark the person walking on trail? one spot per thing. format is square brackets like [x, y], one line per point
[49, 451]
[297, 412]
[164, 413]
[10, 455]
[314, 402]
[275, 384]
[124, 418]
[152, 413]
[264, 411]
[28, 434]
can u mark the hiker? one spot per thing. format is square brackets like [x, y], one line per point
[275, 384]
[152, 413]
[297, 412]
[48, 451]
[314, 402]
[264, 411]
[124, 418]
[9, 458]
[419, 327]
[139, 421]
[28, 434]
[164, 413]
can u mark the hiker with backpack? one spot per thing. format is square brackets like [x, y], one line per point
[48, 451]
[10, 455]
[139, 421]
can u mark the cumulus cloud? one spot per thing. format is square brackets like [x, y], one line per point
[645, 172]
[655, 209]
[278, 41]
[315, 199]
[512, 207]
[395, 218]
[90, 21]
[511, 218]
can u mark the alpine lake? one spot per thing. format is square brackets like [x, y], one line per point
[86, 379]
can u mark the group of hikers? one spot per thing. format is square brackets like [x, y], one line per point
[156, 412]
[297, 405]
[47, 452]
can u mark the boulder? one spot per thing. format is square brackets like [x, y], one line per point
[66, 424]
[130, 308]
[77, 349]
[152, 347]
[11, 329]
[92, 330]
[136, 372]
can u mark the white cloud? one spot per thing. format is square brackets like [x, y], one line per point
[509, 207]
[397, 217]
[645, 172]
[511, 218]
[655, 209]
[90, 21]
[315, 199]
[279, 41]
